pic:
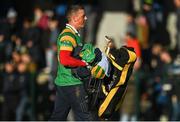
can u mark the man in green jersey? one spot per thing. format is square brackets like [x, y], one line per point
[70, 92]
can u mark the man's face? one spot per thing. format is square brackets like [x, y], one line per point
[80, 18]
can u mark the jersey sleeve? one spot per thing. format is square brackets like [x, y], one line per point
[67, 43]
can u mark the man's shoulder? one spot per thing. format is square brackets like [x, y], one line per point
[67, 31]
[67, 35]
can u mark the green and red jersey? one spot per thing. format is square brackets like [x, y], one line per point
[67, 41]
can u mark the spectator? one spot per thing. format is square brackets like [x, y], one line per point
[24, 83]
[2, 48]
[177, 4]
[49, 43]
[10, 92]
[10, 25]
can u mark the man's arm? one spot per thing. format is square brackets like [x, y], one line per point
[67, 60]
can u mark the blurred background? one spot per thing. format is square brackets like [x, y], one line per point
[28, 64]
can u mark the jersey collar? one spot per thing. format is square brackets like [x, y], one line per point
[72, 28]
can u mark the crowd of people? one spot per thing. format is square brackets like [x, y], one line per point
[28, 61]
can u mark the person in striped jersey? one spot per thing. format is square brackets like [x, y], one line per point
[70, 92]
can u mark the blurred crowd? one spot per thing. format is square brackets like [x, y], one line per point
[28, 60]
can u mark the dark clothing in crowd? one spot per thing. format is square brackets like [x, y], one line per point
[11, 96]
